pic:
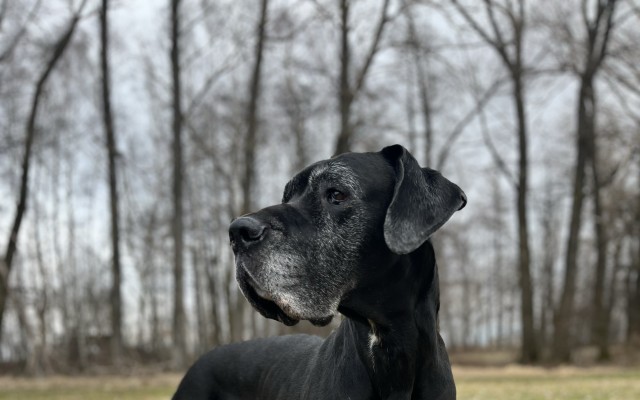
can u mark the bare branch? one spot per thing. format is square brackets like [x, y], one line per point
[497, 42]
[211, 80]
[206, 8]
[622, 100]
[489, 6]
[459, 128]
[373, 49]
[475, 25]
[322, 10]
[495, 154]
[633, 87]
[6, 53]
[201, 144]
[609, 10]
[584, 13]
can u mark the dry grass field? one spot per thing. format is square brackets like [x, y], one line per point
[144, 387]
[566, 383]
[511, 382]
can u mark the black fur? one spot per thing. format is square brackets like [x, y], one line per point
[350, 236]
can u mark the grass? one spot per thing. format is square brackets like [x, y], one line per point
[547, 384]
[475, 383]
[153, 387]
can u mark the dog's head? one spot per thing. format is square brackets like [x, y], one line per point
[338, 217]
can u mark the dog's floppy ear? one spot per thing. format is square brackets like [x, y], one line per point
[423, 200]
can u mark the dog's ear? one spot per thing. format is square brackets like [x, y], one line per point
[423, 200]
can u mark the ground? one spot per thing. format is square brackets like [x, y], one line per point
[547, 384]
[474, 383]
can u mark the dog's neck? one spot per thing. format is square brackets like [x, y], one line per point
[395, 319]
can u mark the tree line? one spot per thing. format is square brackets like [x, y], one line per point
[132, 135]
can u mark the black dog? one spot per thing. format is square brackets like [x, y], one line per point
[351, 235]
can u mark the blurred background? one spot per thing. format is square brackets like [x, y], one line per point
[132, 132]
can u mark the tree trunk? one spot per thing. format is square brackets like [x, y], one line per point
[633, 301]
[598, 33]
[73, 327]
[600, 321]
[149, 283]
[199, 322]
[109, 130]
[550, 239]
[7, 261]
[345, 96]
[349, 90]
[512, 60]
[423, 89]
[562, 320]
[529, 345]
[297, 112]
[42, 306]
[633, 288]
[252, 112]
[179, 320]
[216, 332]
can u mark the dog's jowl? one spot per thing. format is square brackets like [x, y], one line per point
[350, 236]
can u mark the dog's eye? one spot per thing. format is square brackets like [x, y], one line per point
[335, 196]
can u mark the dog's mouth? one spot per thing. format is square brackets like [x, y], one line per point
[266, 303]
[263, 301]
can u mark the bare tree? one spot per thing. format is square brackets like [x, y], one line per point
[350, 88]
[424, 89]
[111, 144]
[598, 30]
[252, 111]
[6, 263]
[208, 138]
[179, 320]
[509, 48]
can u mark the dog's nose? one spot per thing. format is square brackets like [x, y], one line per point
[246, 231]
[463, 197]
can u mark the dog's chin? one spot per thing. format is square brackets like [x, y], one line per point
[268, 306]
[265, 306]
[321, 321]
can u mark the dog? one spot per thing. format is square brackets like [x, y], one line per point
[350, 236]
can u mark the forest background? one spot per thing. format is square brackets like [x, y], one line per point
[132, 132]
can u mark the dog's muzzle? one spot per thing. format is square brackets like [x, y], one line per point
[244, 234]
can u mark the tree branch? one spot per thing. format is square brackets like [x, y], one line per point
[466, 120]
[475, 25]
[208, 84]
[622, 100]
[6, 53]
[372, 50]
[502, 166]
[489, 6]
